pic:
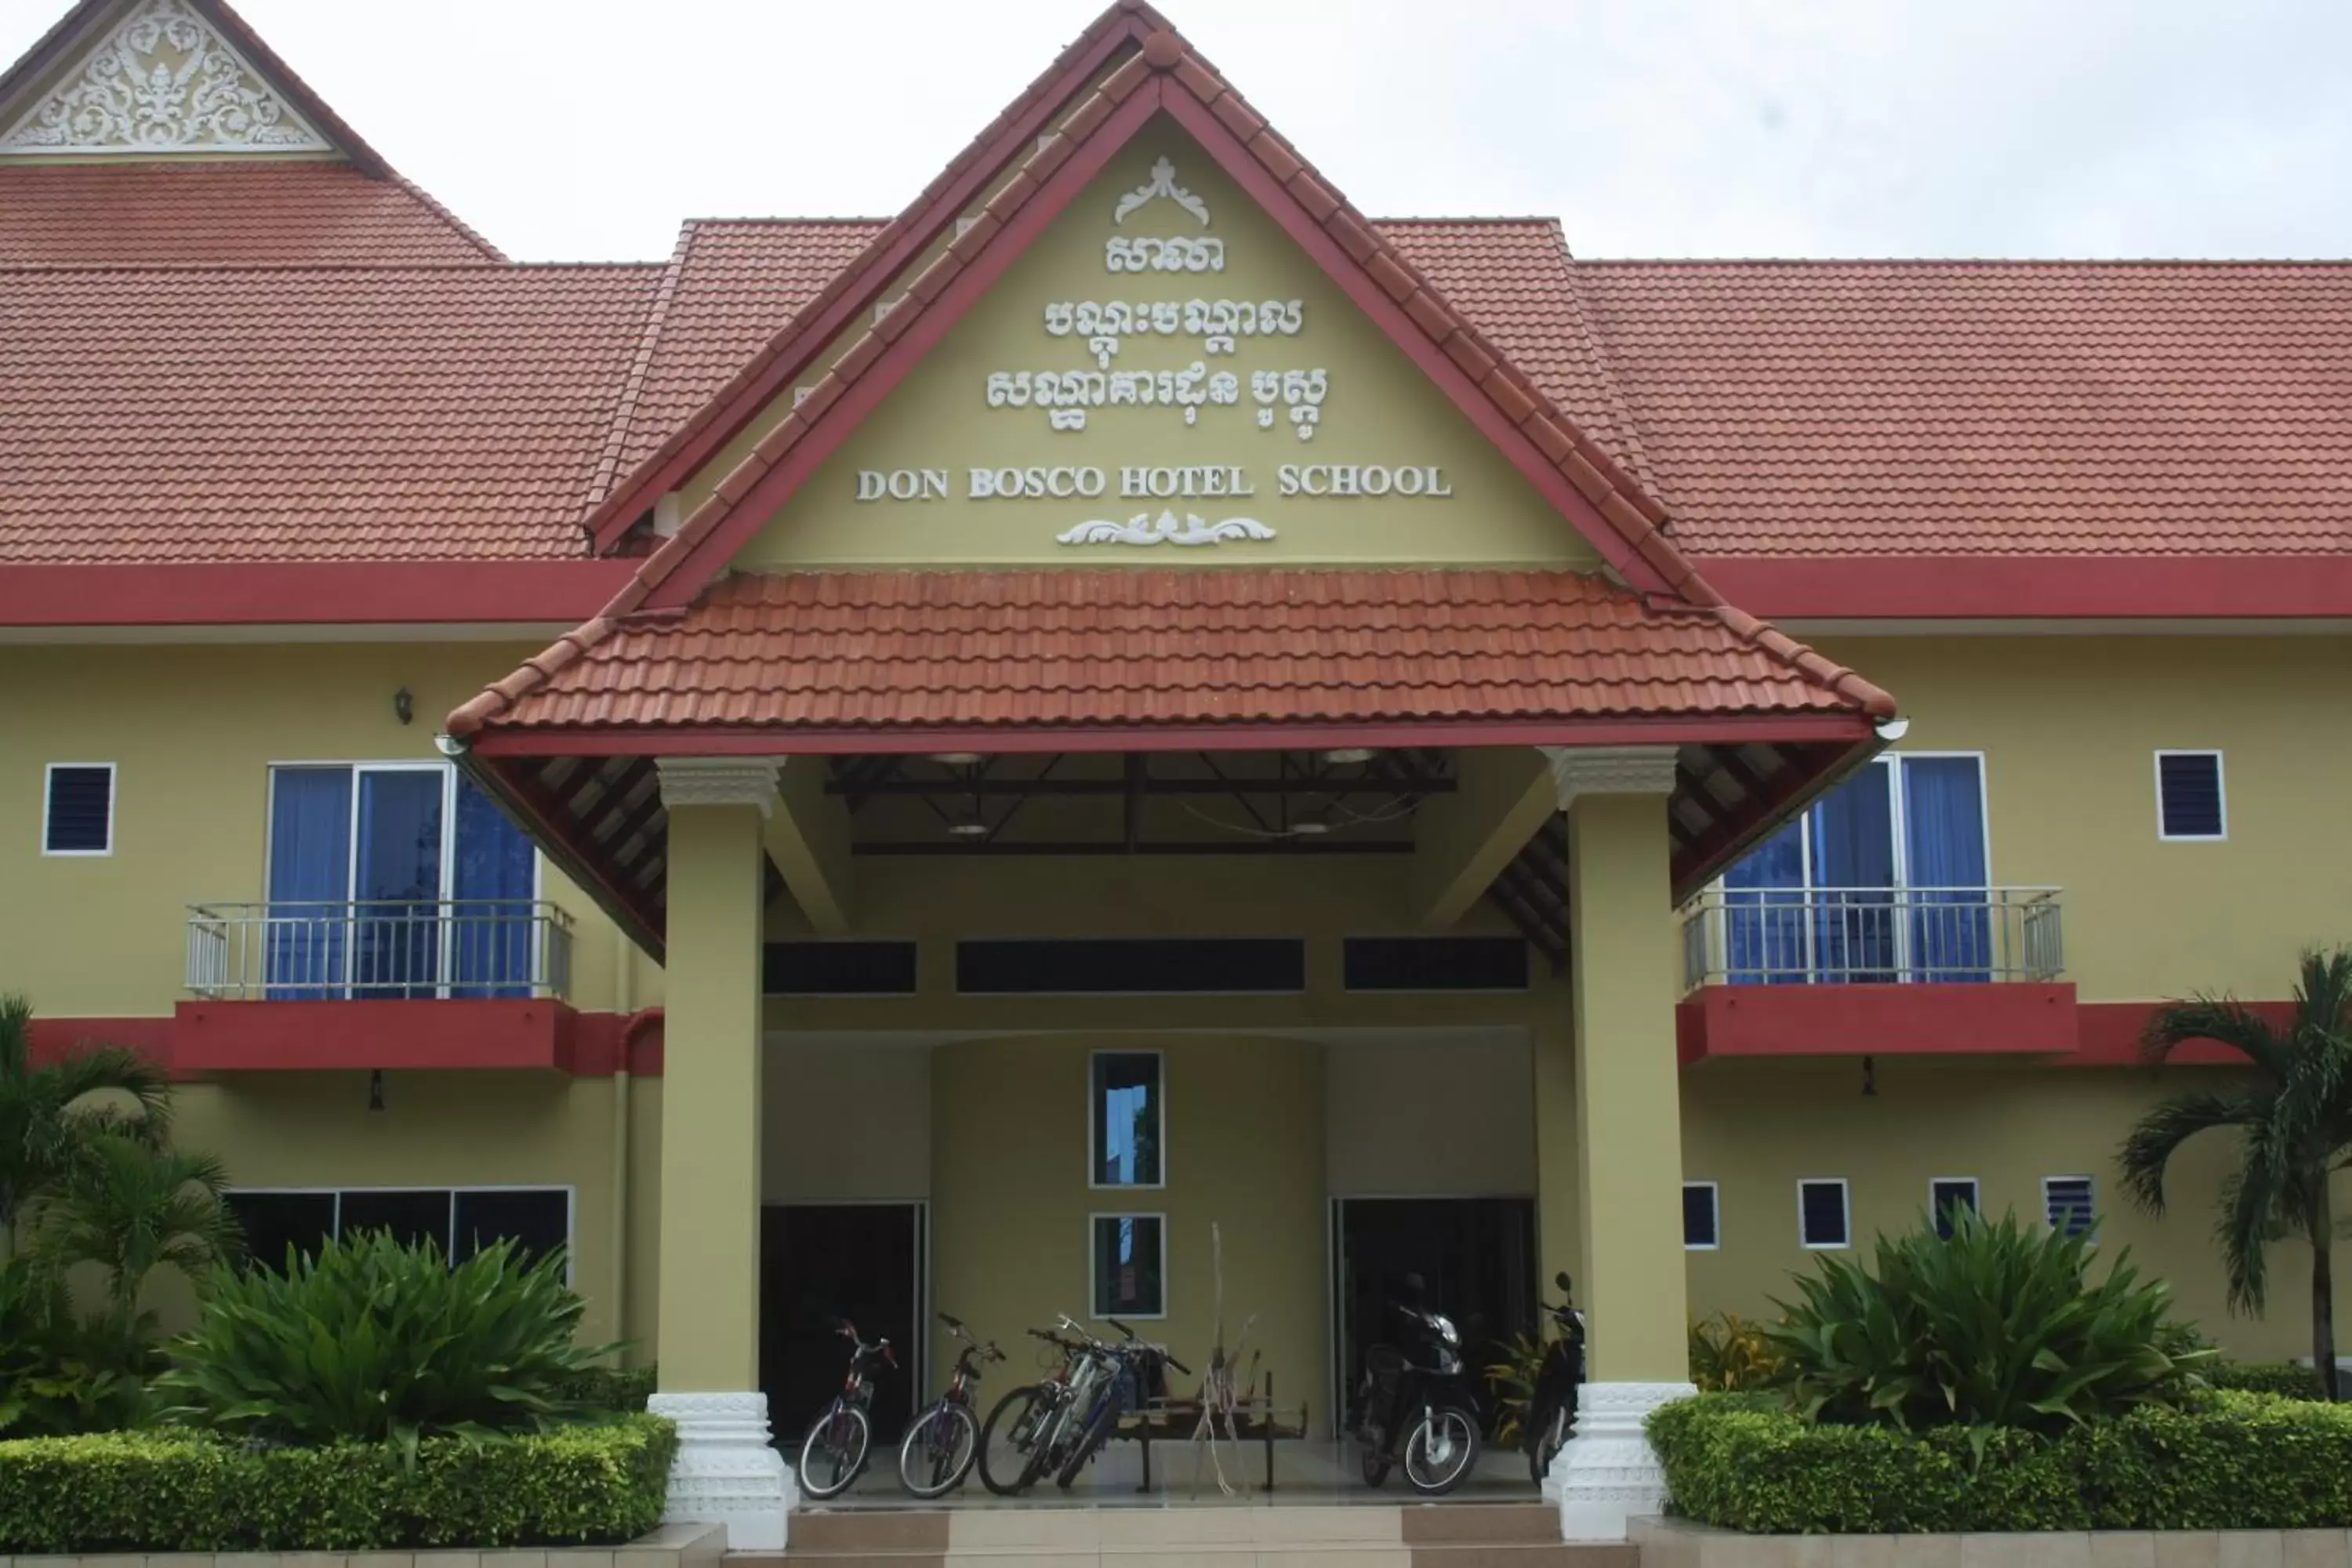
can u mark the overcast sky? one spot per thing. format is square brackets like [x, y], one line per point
[586, 129]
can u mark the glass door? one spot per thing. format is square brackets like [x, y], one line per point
[398, 853]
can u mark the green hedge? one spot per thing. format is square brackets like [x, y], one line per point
[609, 1387]
[2227, 1461]
[2293, 1379]
[166, 1491]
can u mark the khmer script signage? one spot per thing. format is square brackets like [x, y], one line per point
[1218, 388]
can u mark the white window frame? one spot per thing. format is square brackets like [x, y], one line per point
[449, 1230]
[48, 799]
[1846, 1205]
[1094, 1155]
[2090, 1231]
[2220, 794]
[448, 868]
[1093, 1219]
[1715, 1213]
[1976, 1194]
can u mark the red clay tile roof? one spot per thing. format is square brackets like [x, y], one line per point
[222, 214]
[1111, 648]
[2014, 408]
[734, 283]
[434, 413]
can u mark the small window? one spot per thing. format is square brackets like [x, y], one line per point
[1702, 1231]
[1129, 1119]
[1128, 1262]
[275, 1222]
[1433, 963]
[1143, 966]
[1823, 1222]
[838, 969]
[1945, 1194]
[2069, 1204]
[412, 1214]
[78, 819]
[2190, 803]
[537, 1220]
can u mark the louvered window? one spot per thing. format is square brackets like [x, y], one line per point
[78, 815]
[2190, 803]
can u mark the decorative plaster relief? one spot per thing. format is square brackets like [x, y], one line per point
[162, 81]
[1143, 529]
[1163, 184]
[1609, 770]
[1608, 1474]
[719, 780]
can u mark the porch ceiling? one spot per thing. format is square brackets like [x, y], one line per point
[601, 818]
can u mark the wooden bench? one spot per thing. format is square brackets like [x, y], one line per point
[1256, 1418]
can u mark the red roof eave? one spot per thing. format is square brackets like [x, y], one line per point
[307, 593]
[2034, 587]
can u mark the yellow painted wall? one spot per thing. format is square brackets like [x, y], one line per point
[2069, 727]
[1243, 1150]
[1432, 1117]
[193, 731]
[1759, 1127]
[1379, 409]
[845, 1121]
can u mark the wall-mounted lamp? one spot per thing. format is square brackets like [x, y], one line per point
[1870, 1077]
[404, 705]
[376, 1089]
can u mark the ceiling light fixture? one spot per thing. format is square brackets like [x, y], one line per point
[1350, 755]
[957, 758]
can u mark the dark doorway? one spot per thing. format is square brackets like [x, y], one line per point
[820, 1263]
[1475, 1256]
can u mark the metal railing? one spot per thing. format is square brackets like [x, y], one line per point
[308, 952]
[1859, 936]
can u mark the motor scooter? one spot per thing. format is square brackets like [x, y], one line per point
[1551, 1407]
[1416, 1403]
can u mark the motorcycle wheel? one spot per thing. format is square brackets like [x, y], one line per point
[1441, 1451]
[1544, 1440]
[835, 1451]
[1008, 1437]
[938, 1450]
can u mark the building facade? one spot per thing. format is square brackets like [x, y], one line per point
[1131, 740]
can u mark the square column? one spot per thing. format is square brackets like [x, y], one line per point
[1628, 1121]
[708, 1341]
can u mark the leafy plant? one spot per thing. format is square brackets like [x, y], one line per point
[59, 1375]
[193, 1491]
[49, 1114]
[2293, 1123]
[1513, 1379]
[2288, 1379]
[374, 1340]
[614, 1388]
[130, 1209]
[1996, 1327]
[1730, 1354]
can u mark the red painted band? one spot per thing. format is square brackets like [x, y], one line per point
[308, 592]
[2020, 587]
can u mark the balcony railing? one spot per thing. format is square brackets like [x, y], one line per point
[310, 951]
[1864, 936]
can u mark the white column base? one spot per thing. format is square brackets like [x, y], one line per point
[1607, 1474]
[725, 1472]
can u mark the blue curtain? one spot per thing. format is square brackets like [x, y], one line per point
[1763, 918]
[396, 945]
[1951, 934]
[1854, 849]
[491, 953]
[309, 878]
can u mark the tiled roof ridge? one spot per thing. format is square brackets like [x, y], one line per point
[633, 384]
[619, 508]
[432, 203]
[1623, 425]
[1768, 639]
[1621, 502]
[785, 220]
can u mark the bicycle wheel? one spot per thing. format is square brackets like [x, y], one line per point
[1441, 1451]
[1097, 1434]
[938, 1449]
[1008, 1440]
[835, 1451]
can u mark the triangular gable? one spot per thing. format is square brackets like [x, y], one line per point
[1165, 77]
[914, 234]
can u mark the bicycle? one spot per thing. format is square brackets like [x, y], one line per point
[1139, 1371]
[834, 1450]
[941, 1445]
[1025, 1431]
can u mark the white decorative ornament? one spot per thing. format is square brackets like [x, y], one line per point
[1163, 184]
[725, 1472]
[1608, 1475]
[162, 81]
[1609, 770]
[1144, 529]
[719, 780]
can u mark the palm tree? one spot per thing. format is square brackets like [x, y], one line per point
[131, 1210]
[47, 1114]
[2294, 1120]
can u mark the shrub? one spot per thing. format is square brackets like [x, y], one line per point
[58, 1374]
[616, 1388]
[194, 1492]
[2291, 1379]
[1728, 1354]
[1997, 1326]
[2223, 1461]
[373, 1341]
